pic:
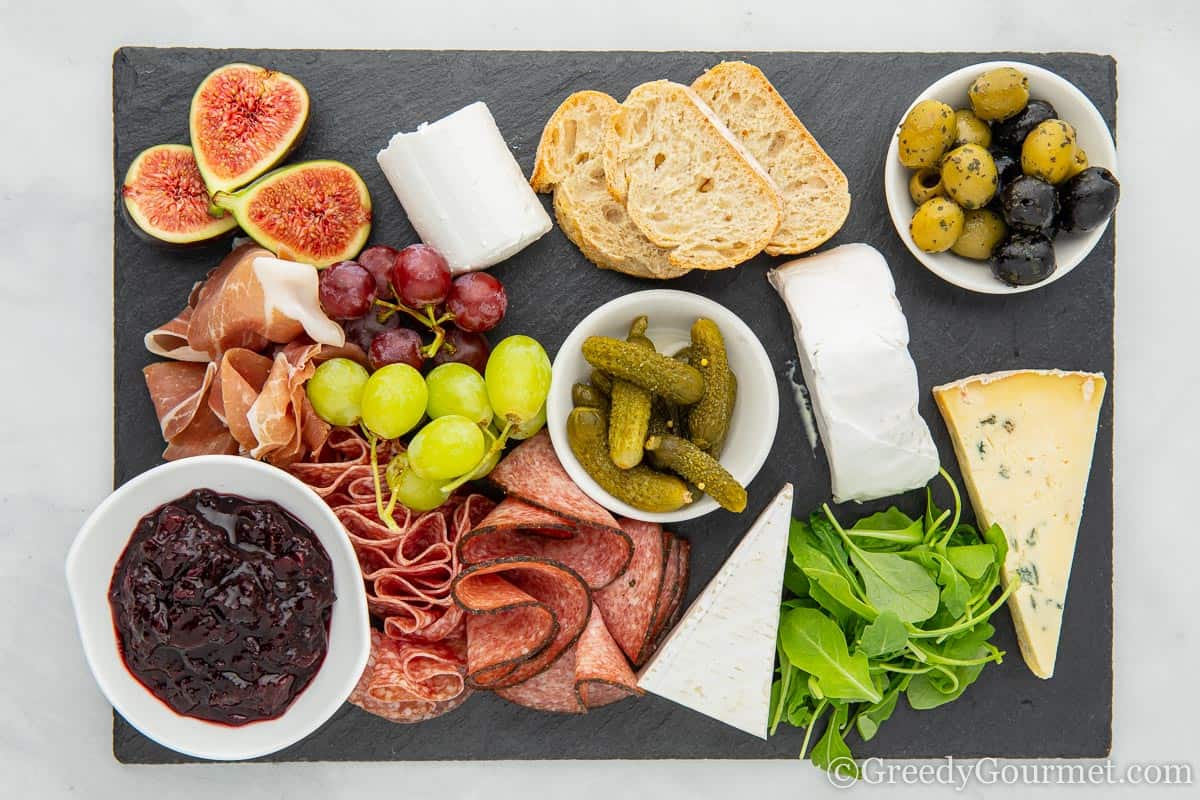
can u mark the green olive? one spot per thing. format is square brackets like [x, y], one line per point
[982, 231]
[999, 93]
[936, 225]
[1078, 164]
[969, 175]
[924, 184]
[926, 133]
[971, 129]
[1049, 151]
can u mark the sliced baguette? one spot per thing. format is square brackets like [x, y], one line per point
[568, 164]
[686, 182]
[816, 195]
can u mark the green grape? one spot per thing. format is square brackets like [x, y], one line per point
[492, 457]
[446, 448]
[393, 400]
[411, 489]
[456, 388]
[336, 391]
[530, 426]
[518, 379]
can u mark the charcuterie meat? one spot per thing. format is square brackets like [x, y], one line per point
[169, 340]
[515, 527]
[630, 603]
[179, 391]
[411, 680]
[675, 589]
[522, 614]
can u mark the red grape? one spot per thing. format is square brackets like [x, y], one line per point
[378, 260]
[396, 346]
[421, 276]
[477, 301]
[346, 289]
[363, 331]
[469, 348]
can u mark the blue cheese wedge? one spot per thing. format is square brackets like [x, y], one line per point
[1024, 441]
[719, 660]
[852, 343]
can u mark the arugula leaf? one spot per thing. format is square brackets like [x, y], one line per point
[814, 642]
[887, 528]
[831, 751]
[835, 587]
[886, 634]
[871, 717]
[794, 579]
[892, 583]
[996, 538]
[972, 560]
[830, 543]
[955, 589]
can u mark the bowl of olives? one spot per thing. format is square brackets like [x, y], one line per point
[1000, 177]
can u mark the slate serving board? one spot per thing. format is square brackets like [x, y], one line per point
[850, 102]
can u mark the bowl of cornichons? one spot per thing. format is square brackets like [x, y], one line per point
[663, 406]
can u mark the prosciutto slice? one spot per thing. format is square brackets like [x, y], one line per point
[179, 391]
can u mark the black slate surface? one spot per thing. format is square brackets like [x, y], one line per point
[851, 103]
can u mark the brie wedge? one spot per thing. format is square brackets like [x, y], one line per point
[852, 341]
[1024, 442]
[720, 659]
[463, 191]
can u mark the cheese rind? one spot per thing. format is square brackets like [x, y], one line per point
[1024, 441]
[852, 342]
[720, 659]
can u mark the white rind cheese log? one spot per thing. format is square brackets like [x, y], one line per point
[1024, 441]
[463, 191]
[720, 659]
[852, 342]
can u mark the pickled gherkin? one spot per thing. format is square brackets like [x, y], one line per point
[705, 472]
[708, 420]
[640, 487]
[602, 382]
[629, 415]
[584, 394]
[652, 371]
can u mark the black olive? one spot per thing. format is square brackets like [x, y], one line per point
[1088, 199]
[1009, 135]
[1029, 204]
[1024, 259]
[1008, 169]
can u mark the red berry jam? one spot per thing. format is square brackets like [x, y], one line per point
[221, 606]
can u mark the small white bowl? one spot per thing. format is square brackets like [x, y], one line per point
[671, 314]
[93, 557]
[1092, 134]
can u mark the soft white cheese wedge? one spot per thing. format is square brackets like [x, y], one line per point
[462, 189]
[291, 290]
[1024, 441]
[852, 341]
[720, 659]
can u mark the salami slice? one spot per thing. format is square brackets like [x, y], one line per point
[533, 473]
[630, 603]
[522, 614]
[675, 583]
[412, 681]
[515, 527]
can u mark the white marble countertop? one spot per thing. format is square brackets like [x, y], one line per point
[55, 316]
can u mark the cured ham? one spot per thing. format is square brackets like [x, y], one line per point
[179, 391]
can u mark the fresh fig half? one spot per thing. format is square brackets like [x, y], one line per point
[318, 212]
[165, 198]
[244, 121]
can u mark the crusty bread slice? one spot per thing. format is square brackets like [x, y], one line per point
[686, 182]
[568, 163]
[816, 195]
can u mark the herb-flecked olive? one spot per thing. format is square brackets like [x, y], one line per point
[969, 176]
[1078, 163]
[926, 134]
[982, 231]
[1088, 199]
[970, 129]
[1008, 169]
[924, 184]
[936, 225]
[1049, 151]
[999, 93]
[1024, 259]
[1030, 205]
[1010, 134]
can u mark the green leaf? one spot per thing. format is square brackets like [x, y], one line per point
[893, 583]
[815, 644]
[830, 543]
[836, 587]
[799, 533]
[891, 527]
[996, 538]
[932, 514]
[831, 751]
[955, 589]
[794, 579]
[972, 560]
[886, 634]
[874, 715]
[891, 520]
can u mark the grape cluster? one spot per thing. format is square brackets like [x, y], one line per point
[471, 401]
[374, 295]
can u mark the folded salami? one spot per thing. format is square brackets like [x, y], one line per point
[411, 680]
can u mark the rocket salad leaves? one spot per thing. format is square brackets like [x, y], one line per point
[890, 606]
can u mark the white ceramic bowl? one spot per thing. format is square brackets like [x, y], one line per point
[671, 313]
[1093, 136]
[93, 557]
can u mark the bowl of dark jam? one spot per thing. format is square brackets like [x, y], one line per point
[220, 606]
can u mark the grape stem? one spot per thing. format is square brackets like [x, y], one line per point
[496, 447]
[385, 514]
[429, 319]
